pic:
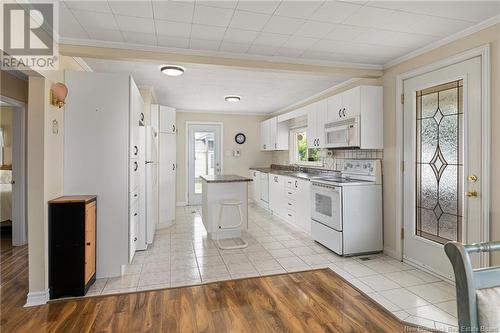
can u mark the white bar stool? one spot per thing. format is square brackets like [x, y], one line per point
[220, 227]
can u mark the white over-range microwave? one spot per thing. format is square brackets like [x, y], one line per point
[343, 134]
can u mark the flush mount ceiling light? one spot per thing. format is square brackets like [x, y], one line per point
[232, 98]
[172, 70]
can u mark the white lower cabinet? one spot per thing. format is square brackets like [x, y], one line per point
[289, 198]
[254, 186]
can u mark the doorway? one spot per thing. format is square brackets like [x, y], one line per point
[443, 182]
[12, 172]
[204, 156]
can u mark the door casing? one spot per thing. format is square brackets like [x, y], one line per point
[186, 160]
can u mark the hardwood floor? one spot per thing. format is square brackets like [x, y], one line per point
[312, 301]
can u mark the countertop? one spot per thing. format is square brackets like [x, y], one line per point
[74, 198]
[225, 179]
[288, 173]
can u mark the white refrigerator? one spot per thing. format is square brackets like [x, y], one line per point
[151, 183]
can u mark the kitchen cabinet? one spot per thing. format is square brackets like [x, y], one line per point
[167, 167]
[289, 198]
[273, 135]
[102, 155]
[316, 119]
[264, 189]
[254, 186]
[167, 119]
[365, 102]
[72, 248]
[277, 201]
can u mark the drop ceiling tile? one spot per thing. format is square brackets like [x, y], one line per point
[207, 32]
[436, 26]
[266, 7]
[95, 20]
[249, 21]
[137, 24]
[370, 17]
[297, 42]
[335, 11]
[179, 11]
[132, 8]
[212, 16]
[345, 32]
[289, 52]
[264, 50]
[139, 38]
[393, 38]
[283, 25]
[317, 55]
[173, 29]
[266, 38]
[106, 35]
[203, 44]
[220, 4]
[297, 9]
[95, 6]
[69, 27]
[315, 29]
[175, 42]
[328, 46]
[234, 47]
[240, 36]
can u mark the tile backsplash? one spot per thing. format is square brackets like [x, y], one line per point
[333, 159]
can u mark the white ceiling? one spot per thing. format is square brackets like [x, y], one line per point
[367, 32]
[203, 87]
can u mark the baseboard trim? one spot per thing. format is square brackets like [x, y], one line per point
[181, 203]
[37, 298]
[391, 253]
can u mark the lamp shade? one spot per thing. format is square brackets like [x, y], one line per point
[60, 91]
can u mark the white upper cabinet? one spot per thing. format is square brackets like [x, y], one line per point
[316, 119]
[365, 102]
[273, 135]
[167, 119]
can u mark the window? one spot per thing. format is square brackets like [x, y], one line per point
[299, 153]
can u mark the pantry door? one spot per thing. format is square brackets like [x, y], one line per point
[443, 163]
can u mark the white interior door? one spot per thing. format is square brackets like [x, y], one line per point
[204, 157]
[443, 156]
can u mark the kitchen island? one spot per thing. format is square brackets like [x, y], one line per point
[219, 188]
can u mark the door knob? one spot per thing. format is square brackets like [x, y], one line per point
[471, 194]
[472, 178]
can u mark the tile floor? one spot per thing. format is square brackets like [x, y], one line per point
[183, 255]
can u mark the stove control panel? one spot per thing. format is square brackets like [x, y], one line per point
[360, 167]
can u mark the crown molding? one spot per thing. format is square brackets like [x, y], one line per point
[228, 55]
[456, 36]
[228, 113]
[83, 64]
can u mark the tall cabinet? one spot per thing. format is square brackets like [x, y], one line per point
[103, 116]
[167, 164]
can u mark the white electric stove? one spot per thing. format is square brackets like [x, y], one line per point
[346, 210]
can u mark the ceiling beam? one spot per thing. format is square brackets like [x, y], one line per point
[128, 54]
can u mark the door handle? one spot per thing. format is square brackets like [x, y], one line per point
[88, 243]
[136, 150]
[173, 128]
[472, 178]
[12, 182]
[136, 166]
[343, 112]
[471, 194]
[296, 184]
[135, 239]
[340, 113]
[142, 116]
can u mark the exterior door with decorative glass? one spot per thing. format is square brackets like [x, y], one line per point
[442, 154]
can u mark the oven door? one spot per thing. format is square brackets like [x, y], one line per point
[326, 205]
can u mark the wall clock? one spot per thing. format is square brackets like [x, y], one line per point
[240, 138]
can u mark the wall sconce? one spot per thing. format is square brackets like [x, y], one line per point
[58, 93]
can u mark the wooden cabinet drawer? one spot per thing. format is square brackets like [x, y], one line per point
[291, 194]
[290, 216]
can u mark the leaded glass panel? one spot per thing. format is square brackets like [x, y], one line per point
[439, 162]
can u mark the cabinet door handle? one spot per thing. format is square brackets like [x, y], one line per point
[290, 215]
[173, 166]
[289, 204]
[340, 113]
[173, 128]
[136, 166]
[343, 112]
[296, 184]
[136, 195]
[136, 150]
[135, 214]
[142, 116]
[289, 192]
[264, 146]
[135, 239]
[88, 243]
[275, 145]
